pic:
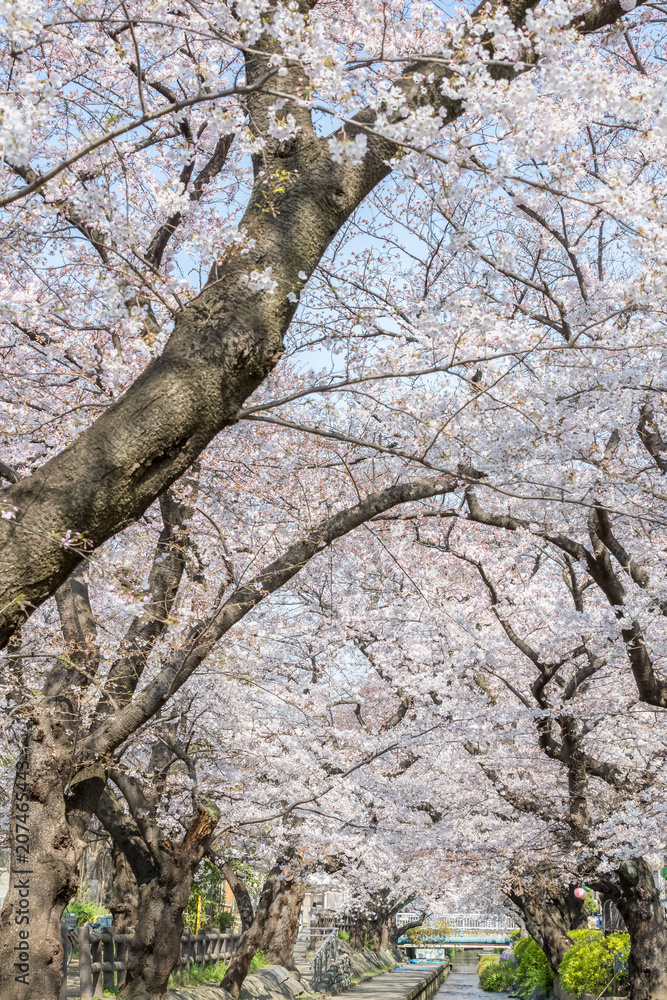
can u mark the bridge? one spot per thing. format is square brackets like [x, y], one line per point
[461, 930]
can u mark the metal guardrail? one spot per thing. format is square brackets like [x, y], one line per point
[326, 954]
[612, 921]
[463, 921]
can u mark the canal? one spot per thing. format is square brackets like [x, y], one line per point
[462, 983]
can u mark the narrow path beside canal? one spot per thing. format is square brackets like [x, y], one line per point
[394, 985]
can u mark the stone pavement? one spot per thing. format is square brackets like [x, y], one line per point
[401, 983]
[73, 983]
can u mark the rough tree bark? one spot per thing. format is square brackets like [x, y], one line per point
[223, 344]
[54, 797]
[549, 915]
[638, 901]
[279, 948]
[358, 932]
[164, 873]
[60, 778]
[368, 932]
[395, 932]
[376, 927]
[240, 890]
[51, 809]
[264, 922]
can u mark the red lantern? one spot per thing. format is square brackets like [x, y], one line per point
[580, 893]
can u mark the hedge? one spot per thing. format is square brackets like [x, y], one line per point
[588, 964]
[523, 967]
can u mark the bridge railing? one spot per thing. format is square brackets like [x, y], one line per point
[463, 921]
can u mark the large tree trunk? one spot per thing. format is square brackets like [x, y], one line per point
[51, 810]
[374, 933]
[156, 943]
[549, 917]
[223, 344]
[279, 949]
[639, 904]
[358, 933]
[395, 932]
[246, 949]
[384, 939]
[262, 929]
[164, 873]
[241, 894]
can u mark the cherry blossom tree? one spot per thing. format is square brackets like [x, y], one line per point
[485, 301]
[86, 712]
[116, 115]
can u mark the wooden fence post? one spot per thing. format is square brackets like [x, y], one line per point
[192, 953]
[122, 954]
[188, 956]
[181, 959]
[107, 949]
[96, 964]
[85, 963]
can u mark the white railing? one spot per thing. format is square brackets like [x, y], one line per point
[463, 921]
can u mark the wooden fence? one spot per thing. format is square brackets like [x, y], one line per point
[103, 957]
[202, 948]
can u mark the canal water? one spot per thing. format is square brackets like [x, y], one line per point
[462, 983]
[461, 986]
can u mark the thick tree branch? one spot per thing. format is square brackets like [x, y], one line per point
[141, 810]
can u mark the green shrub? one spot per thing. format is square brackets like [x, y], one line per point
[496, 976]
[225, 920]
[588, 964]
[343, 936]
[485, 960]
[525, 967]
[496, 972]
[533, 969]
[212, 972]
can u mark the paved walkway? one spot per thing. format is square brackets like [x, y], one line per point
[462, 986]
[73, 984]
[393, 985]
